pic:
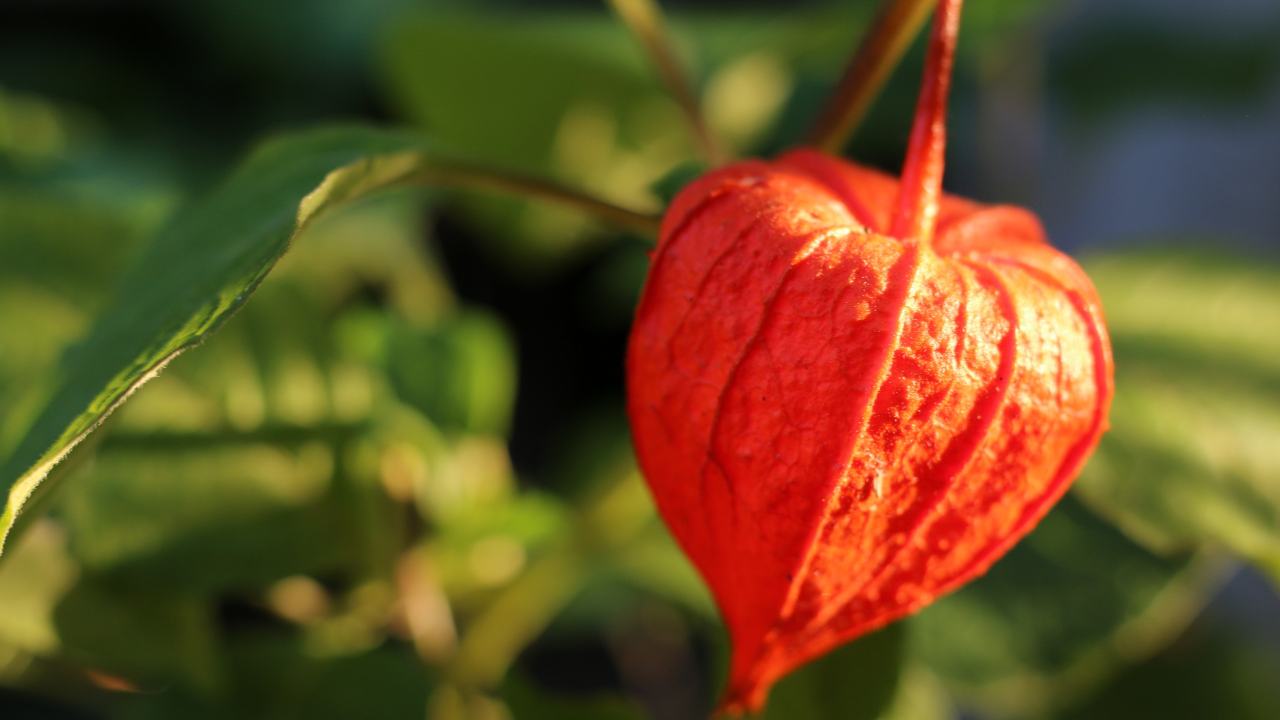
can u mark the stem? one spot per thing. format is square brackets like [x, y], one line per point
[469, 177]
[644, 19]
[921, 185]
[515, 617]
[888, 38]
[522, 610]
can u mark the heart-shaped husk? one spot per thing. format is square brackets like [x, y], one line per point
[850, 394]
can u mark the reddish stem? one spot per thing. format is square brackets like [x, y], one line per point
[921, 187]
[892, 31]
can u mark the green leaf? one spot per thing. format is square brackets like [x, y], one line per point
[497, 86]
[856, 681]
[61, 241]
[275, 674]
[567, 96]
[35, 577]
[656, 564]
[572, 95]
[1213, 672]
[284, 679]
[199, 270]
[59, 251]
[478, 551]
[1071, 603]
[1191, 458]
[460, 373]
[150, 637]
[210, 518]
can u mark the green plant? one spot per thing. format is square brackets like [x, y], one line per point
[289, 521]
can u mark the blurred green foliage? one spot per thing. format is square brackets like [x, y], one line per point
[331, 508]
[1192, 459]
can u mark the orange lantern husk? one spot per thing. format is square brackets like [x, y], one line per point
[851, 394]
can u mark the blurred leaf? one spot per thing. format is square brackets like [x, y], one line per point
[854, 681]
[497, 86]
[643, 559]
[241, 464]
[1068, 605]
[198, 272]
[571, 95]
[460, 373]
[60, 249]
[59, 241]
[32, 581]
[563, 95]
[34, 326]
[1192, 457]
[655, 563]
[479, 551]
[274, 675]
[235, 516]
[148, 637]
[375, 245]
[33, 130]
[386, 682]
[271, 371]
[1210, 674]
[920, 696]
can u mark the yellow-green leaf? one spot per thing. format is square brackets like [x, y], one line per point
[196, 273]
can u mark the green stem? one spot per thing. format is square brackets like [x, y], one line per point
[644, 19]
[523, 609]
[475, 178]
[886, 41]
[517, 616]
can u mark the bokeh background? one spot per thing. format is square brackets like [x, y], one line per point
[399, 482]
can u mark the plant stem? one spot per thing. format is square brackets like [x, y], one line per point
[644, 19]
[921, 186]
[474, 178]
[522, 610]
[890, 34]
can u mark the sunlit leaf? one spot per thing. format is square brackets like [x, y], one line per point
[1074, 601]
[487, 547]
[571, 95]
[32, 581]
[498, 86]
[1192, 458]
[208, 518]
[199, 270]
[59, 252]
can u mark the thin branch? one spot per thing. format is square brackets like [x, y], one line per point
[468, 177]
[644, 19]
[921, 186]
[888, 38]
